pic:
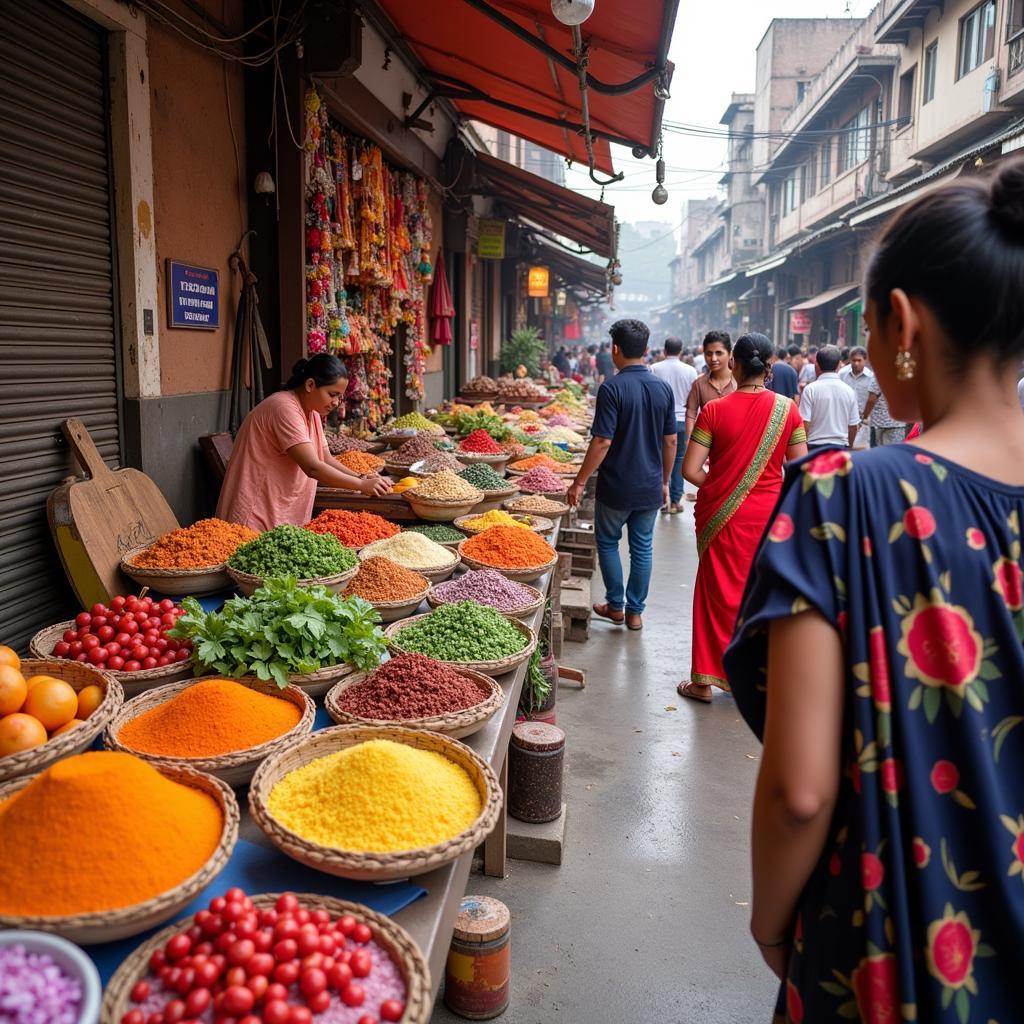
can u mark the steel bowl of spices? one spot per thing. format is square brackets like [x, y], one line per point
[45, 979]
[519, 554]
[224, 727]
[413, 551]
[311, 558]
[488, 587]
[393, 590]
[375, 803]
[417, 692]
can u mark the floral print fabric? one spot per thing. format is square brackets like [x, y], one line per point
[915, 911]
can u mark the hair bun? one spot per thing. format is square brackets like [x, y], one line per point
[1008, 196]
[300, 367]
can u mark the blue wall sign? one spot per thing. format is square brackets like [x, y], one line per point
[193, 296]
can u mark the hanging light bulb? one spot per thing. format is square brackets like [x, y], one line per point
[572, 12]
[660, 195]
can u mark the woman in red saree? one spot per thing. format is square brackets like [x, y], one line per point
[745, 437]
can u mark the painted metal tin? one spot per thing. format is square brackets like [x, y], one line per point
[477, 981]
[535, 759]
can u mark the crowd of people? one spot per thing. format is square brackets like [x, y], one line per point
[865, 608]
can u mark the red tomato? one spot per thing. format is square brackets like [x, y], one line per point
[131, 627]
[361, 963]
[207, 974]
[157, 959]
[275, 990]
[241, 951]
[285, 950]
[264, 939]
[161, 644]
[117, 603]
[309, 942]
[181, 655]
[83, 658]
[197, 1002]
[286, 903]
[186, 981]
[76, 648]
[367, 1018]
[140, 992]
[347, 924]
[89, 642]
[139, 652]
[258, 986]
[166, 605]
[98, 621]
[339, 976]
[62, 649]
[132, 665]
[178, 946]
[106, 633]
[353, 995]
[149, 663]
[98, 655]
[115, 663]
[299, 1015]
[276, 1011]
[391, 1009]
[134, 1017]
[286, 974]
[168, 619]
[319, 1001]
[362, 934]
[113, 647]
[99, 609]
[83, 619]
[312, 981]
[123, 638]
[70, 636]
[238, 999]
[174, 1011]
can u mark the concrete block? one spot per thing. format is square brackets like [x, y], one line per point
[542, 844]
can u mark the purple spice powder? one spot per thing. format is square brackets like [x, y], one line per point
[486, 586]
[34, 990]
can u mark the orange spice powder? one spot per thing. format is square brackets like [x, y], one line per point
[205, 543]
[508, 547]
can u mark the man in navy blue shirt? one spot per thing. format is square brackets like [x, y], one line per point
[783, 379]
[633, 440]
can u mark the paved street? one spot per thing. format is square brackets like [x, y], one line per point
[646, 919]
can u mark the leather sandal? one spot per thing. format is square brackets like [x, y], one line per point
[690, 689]
[634, 622]
[614, 615]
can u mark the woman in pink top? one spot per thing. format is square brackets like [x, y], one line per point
[280, 453]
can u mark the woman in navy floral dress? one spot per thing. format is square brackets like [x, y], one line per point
[880, 654]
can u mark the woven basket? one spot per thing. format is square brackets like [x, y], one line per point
[364, 866]
[177, 582]
[249, 584]
[392, 611]
[510, 506]
[453, 544]
[527, 575]
[535, 522]
[436, 510]
[109, 925]
[496, 460]
[433, 573]
[455, 724]
[133, 683]
[490, 668]
[235, 768]
[317, 683]
[566, 469]
[515, 613]
[494, 499]
[558, 496]
[74, 741]
[397, 471]
[401, 947]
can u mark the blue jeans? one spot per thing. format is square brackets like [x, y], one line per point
[608, 524]
[675, 484]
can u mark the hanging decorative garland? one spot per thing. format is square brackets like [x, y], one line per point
[368, 263]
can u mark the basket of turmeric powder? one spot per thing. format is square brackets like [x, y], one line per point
[148, 838]
[190, 560]
[518, 554]
[375, 803]
[224, 727]
[76, 734]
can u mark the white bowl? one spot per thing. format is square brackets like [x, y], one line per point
[70, 959]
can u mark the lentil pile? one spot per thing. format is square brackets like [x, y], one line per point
[411, 550]
[483, 477]
[535, 461]
[381, 579]
[537, 504]
[493, 518]
[378, 796]
[439, 532]
[353, 529]
[411, 686]
[205, 543]
[412, 421]
[562, 434]
[362, 463]
[440, 461]
[509, 547]
[416, 448]
[136, 832]
[293, 551]
[210, 718]
[542, 481]
[480, 442]
[463, 631]
[446, 486]
[488, 587]
[338, 443]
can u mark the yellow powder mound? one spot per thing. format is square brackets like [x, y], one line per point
[100, 831]
[216, 716]
[379, 797]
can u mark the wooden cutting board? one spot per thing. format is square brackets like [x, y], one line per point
[96, 520]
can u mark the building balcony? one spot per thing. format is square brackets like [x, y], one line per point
[1012, 66]
[898, 18]
[836, 197]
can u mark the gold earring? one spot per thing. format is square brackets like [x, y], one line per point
[906, 364]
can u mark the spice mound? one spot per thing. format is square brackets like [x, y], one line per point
[462, 632]
[509, 547]
[537, 504]
[482, 385]
[483, 477]
[34, 989]
[438, 462]
[412, 550]
[416, 448]
[381, 579]
[360, 462]
[537, 460]
[353, 529]
[479, 442]
[293, 551]
[440, 532]
[205, 543]
[446, 486]
[412, 421]
[338, 443]
[210, 718]
[379, 797]
[412, 686]
[136, 833]
[542, 481]
[486, 586]
[493, 518]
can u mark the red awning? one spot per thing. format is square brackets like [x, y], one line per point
[476, 53]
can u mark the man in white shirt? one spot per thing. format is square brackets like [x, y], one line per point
[808, 372]
[699, 362]
[680, 377]
[828, 406]
[859, 377]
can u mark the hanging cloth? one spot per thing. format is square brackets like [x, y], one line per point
[442, 309]
[250, 345]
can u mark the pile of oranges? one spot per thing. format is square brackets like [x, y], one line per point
[36, 709]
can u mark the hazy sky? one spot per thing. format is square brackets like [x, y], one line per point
[713, 50]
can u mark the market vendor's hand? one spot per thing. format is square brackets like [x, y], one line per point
[575, 493]
[375, 486]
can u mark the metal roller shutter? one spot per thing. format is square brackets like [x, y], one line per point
[58, 329]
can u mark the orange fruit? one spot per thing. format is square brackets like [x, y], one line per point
[89, 699]
[9, 657]
[12, 690]
[53, 702]
[32, 680]
[67, 727]
[20, 732]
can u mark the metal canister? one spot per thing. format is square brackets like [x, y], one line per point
[536, 753]
[477, 978]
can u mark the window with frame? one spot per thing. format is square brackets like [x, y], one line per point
[1014, 18]
[855, 143]
[905, 100]
[931, 59]
[801, 90]
[977, 38]
[825, 163]
[790, 193]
